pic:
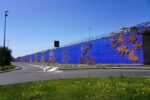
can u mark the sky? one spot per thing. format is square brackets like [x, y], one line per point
[33, 25]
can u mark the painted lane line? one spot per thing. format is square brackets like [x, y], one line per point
[53, 69]
[45, 68]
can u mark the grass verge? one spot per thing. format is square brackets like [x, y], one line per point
[7, 67]
[80, 89]
[97, 65]
[86, 65]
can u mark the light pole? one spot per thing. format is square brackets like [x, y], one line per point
[6, 14]
[89, 33]
[7, 43]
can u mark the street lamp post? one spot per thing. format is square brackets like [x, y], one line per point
[6, 14]
[89, 33]
[7, 43]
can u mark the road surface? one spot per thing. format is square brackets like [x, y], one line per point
[30, 73]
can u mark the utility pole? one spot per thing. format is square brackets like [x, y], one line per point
[6, 14]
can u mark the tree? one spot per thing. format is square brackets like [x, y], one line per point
[7, 54]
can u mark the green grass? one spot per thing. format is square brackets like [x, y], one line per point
[80, 89]
[7, 67]
[97, 65]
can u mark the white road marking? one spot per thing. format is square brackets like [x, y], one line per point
[53, 69]
[47, 68]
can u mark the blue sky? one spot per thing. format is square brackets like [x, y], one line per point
[33, 25]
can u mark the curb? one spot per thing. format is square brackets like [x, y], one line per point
[144, 68]
[17, 68]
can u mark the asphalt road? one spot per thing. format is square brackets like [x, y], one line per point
[30, 73]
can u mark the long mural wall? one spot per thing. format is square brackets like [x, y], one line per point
[122, 48]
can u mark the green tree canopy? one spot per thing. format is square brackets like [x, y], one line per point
[5, 53]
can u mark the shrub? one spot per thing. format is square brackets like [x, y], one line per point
[7, 54]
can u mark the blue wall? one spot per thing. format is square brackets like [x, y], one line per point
[98, 51]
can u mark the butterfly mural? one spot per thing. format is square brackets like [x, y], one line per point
[119, 45]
